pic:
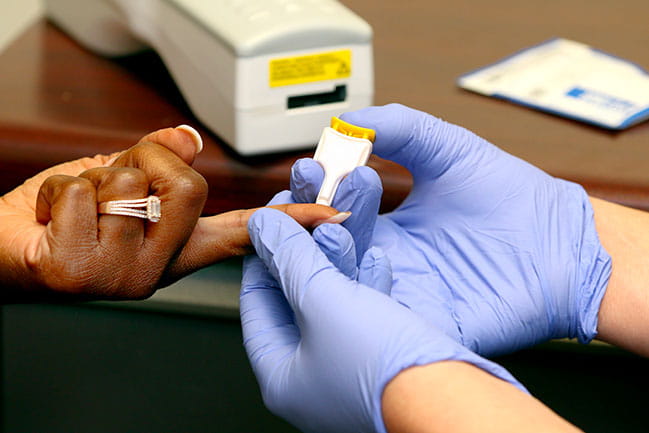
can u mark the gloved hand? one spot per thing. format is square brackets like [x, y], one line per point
[491, 249]
[323, 346]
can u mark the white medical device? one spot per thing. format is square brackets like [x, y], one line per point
[262, 74]
[342, 148]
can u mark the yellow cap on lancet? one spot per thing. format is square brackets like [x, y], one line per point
[352, 130]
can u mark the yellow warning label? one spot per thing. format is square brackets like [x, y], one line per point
[306, 69]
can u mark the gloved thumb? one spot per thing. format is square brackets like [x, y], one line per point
[425, 145]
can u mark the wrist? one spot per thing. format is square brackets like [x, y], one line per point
[460, 397]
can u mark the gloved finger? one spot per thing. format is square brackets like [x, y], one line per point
[337, 244]
[284, 197]
[359, 192]
[293, 259]
[269, 331]
[375, 271]
[225, 235]
[119, 235]
[306, 178]
[425, 145]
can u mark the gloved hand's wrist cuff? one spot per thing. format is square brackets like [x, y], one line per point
[594, 273]
[442, 348]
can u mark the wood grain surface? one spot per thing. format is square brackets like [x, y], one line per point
[61, 102]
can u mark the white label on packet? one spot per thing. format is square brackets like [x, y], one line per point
[570, 79]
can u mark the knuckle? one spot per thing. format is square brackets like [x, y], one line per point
[92, 172]
[74, 187]
[51, 183]
[191, 185]
[126, 178]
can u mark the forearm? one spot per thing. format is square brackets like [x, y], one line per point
[459, 397]
[624, 233]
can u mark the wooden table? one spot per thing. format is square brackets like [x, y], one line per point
[60, 102]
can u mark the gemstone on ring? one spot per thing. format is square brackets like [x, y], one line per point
[146, 208]
[153, 208]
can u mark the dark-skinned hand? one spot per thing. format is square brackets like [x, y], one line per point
[55, 246]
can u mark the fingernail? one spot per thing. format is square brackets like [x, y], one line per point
[340, 217]
[198, 141]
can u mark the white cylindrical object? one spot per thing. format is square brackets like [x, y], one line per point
[338, 154]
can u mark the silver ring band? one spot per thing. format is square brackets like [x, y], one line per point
[146, 208]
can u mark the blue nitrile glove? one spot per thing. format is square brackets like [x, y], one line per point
[359, 192]
[323, 346]
[491, 249]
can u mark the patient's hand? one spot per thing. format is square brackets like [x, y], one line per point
[54, 244]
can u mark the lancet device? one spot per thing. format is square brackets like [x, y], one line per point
[342, 148]
[262, 74]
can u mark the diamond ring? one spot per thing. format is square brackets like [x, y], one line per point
[147, 208]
